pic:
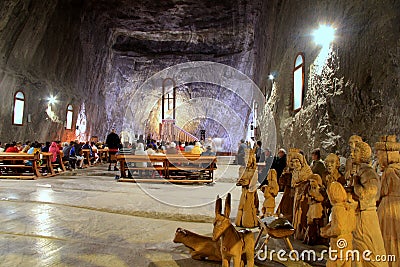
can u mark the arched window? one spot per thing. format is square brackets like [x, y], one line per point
[18, 112]
[298, 82]
[70, 115]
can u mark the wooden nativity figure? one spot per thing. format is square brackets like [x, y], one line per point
[389, 208]
[340, 228]
[315, 211]
[248, 205]
[285, 207]
[332, 164]
[300, 175]
[270, 192]
[367, 235]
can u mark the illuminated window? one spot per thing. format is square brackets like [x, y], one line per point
[70, 114]
[18, 112]
[298, 82]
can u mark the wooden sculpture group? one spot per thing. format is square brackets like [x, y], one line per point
[363, 208]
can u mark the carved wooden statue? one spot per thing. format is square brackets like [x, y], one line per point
[389, 208]
[332, 164]
[367, 235]
[342, 223]
[350, 167]
[301, 173]
[270, 192]
[203, 247]
[315, 211]
[285, 207]
[248, 205]
[233, 243]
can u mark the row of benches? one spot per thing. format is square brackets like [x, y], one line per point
[175, 168]
[29, 166]
[33, 166]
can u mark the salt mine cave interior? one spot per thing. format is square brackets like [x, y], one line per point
[95, 56]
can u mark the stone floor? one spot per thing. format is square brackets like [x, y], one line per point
[86, 218]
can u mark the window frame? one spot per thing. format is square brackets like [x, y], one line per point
[296, 68]
[72, 116]
[23, 108]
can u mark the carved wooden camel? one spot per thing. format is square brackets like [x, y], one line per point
[233, 243]
[204, 248]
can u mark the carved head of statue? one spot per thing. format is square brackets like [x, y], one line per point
[353, 140]
[291, 154]
[297, 160]
[315, 181]
[361, 153]
[336, 193]
[251, 157]
[332, 163]
[387, 150]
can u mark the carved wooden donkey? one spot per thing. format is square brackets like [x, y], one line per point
[204, 248]
[233, 243]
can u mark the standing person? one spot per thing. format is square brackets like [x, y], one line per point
[262, 174]
[113, 142]
[241, 153]
[279, 162]
[317, 165]
[260, 157]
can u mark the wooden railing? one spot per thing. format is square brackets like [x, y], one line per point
[169, 132]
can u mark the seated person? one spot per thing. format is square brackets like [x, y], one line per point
[208, 152]
[76, 156]
[14, 148]
[171, 149]
[197, 149]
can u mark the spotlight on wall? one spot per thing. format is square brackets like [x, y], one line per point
[324, 35]
[52, 99]
[271, 77]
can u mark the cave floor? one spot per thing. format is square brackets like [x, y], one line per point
[86, 218]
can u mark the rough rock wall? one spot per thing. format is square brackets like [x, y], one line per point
[40, 54]
[355, 91]
[144, 37]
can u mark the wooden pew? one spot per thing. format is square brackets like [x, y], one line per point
[46, 158]
[86, 155]
[61, 164]
[127, 161]
[12, 166]
[103, 154]
[174, 168]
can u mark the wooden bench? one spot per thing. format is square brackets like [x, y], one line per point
[174, 168]
[13, 166]
[86, 156]
[61, 164]
[103, 155]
